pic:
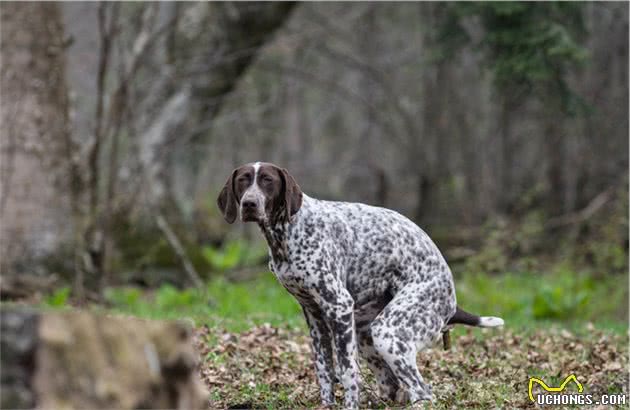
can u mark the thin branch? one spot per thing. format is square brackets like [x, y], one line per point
[585, 213]
[178, 249]
[105, 33]
[142, 44]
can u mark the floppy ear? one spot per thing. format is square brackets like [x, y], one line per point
[227, 200]
[292, 193]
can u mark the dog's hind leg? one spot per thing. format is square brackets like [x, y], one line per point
[385, 378]
[407, 325]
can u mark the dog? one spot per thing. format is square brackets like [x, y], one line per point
[371, 283]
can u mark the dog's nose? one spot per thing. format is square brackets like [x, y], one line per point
[249, 204]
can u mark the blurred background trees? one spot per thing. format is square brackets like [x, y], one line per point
[500, 128]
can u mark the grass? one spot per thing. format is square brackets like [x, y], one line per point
[525, 300]
[562, 296]
[235, 306]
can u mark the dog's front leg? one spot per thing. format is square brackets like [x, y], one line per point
[322, 346]
[338, 309]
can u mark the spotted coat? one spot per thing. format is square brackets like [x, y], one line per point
[371, 283]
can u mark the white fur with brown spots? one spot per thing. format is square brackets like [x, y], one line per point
[369, 280]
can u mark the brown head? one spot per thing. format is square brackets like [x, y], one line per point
[260, 192]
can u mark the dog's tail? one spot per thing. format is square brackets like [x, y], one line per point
[465, 318]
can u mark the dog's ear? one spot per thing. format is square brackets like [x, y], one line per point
[227, 200]
[292, 193]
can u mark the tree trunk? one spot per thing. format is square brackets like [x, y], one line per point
[243, 28]
[239, 30]
[555, 152]
[37, 183]
[506, 164]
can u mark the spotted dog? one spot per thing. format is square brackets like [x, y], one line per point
[370, 281]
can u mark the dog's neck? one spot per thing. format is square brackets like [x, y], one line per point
[277, 228]
[276, 231]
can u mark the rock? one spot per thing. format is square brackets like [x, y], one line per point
[18, 339]
[79, 360]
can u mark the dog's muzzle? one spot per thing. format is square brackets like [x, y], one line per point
[249, 211]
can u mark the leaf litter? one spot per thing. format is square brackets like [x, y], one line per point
[271, 367]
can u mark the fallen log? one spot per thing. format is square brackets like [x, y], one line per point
[15, 287]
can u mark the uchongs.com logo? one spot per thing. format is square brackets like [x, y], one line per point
[557, 395]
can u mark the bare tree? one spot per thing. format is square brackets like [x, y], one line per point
[190, 84]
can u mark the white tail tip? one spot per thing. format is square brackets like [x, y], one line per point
[490, 321]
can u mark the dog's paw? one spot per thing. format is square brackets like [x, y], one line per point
[402, 396]
[425, 395]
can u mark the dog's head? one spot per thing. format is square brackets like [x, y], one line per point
[260, 192]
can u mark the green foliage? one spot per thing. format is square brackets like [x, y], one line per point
[233, 254]
[606, 249]
[58, 298]
[165, 298]
[609, 256]
[564, 299]
[123, 297]
[529, 45]
[531, 42]
[560, 295]
[526, 243]
[170, 298]
[226, 258]
[523, 299]
[509, 244]
[234, 305]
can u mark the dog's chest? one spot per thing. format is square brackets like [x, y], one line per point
[296, 282]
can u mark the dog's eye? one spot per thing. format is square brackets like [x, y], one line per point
[266, 178]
